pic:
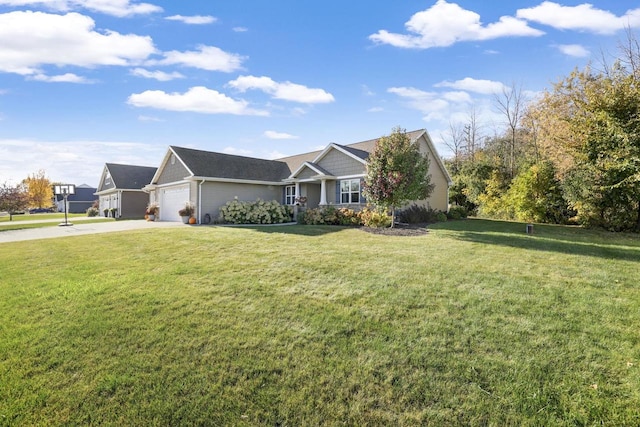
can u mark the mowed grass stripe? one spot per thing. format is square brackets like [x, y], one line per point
[474, 323]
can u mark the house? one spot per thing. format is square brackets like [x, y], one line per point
[120, 190]
[332, 176]
[79, 202]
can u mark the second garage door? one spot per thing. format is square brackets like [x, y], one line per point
[172, 199]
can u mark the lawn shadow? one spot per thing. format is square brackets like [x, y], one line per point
[296, 229]
[555, 238]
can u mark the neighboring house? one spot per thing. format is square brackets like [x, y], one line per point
[332, 176]
[120, 190]
[79, 202]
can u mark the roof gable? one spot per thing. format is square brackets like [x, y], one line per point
[310, 169]
[342, 149]
[209, 164]
[127, 177]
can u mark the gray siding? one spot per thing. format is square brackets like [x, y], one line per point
[312, 193]
[173, 172]
[340, 164]
[107, 184]
[307, 173]
[217, 194]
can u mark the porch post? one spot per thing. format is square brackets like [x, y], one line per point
[323, 192]
[296, 205]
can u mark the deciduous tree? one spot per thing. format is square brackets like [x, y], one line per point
[397, 172]
[13, 199]
[40, 189]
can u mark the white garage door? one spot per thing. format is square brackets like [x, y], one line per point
[172, 199]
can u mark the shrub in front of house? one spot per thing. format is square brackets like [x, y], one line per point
[258, 212]
[375, 217]
[415, 214]
[348, 216]
[457, 212]
[311, 217]
[93, 211]
[330, 215]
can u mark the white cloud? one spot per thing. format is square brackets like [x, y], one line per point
[120, 8]
[458, 97]
[208, 58]
[444, 24]
[575, 50]
[486, 87]
[375, 110]
[76, 162]
[193, 20]
[158, 75]
[366, 91]
[31, 40]
[431, 104]
[240, 29]
[198, 99]
[278, 135]
[273, 155]
[237, 151]
[583, 17]
[63, 78]
[441, 108]
[286, 91]
[149, 119]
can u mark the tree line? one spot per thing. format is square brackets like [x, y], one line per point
[571, 155]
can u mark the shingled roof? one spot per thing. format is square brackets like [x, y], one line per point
[130, 177]
[209, 164]
[360, 149]
[228, 166]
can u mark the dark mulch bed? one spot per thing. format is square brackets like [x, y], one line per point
[399, 230]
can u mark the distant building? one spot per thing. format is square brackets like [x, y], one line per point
[79, 202]
[120, 190]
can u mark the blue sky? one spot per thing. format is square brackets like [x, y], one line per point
[86, 82]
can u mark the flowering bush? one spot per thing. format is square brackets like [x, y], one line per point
[258, 212]
[342, 216]
[93, 211]
[375, 217]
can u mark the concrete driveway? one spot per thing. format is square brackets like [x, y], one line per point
[78, 229]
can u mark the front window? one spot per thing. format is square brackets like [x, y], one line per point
[350, 191]
[290, 195]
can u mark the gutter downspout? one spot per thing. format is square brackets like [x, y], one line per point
[120, 202]
[200, 201]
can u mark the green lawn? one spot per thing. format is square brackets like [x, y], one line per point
[6, 219]
[474, 323]
[21, 222]
[24, 226]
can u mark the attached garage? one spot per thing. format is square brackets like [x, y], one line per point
[172, 199]
[121, 188]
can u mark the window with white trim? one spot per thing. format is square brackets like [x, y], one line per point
[290, 195]
[350, 191]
